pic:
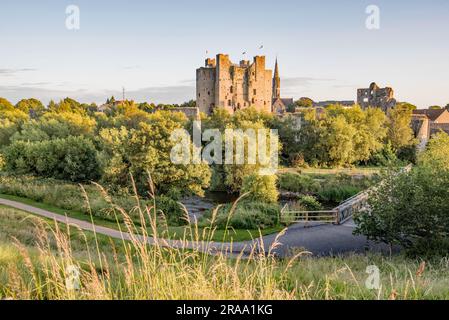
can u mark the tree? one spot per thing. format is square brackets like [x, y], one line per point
[74, 159]
[304, 102]
[7, 111]
[31, 106]
[437, 152]
[146, 149]
[406, 105]
[400, 133]
[435, 108]
[447, 107]
[56, 125]
[5, 105]
[410, 210]
[260, 188]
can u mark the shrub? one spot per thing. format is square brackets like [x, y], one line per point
[248, 215]
[298, 183]
[73, 159]
[260, 188]
[172, 210]
[410, 210]
[310, 203]
[337, 194]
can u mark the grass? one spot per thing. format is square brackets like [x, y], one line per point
[35, 255]
[172, 232]
[323, 172]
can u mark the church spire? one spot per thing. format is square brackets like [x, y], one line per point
[276, 82]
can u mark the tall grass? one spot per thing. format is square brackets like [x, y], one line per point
[134, 269]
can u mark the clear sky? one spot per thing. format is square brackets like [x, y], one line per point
[152, 48]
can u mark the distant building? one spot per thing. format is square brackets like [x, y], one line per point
[233, 86]
[279, 105]
[438, 119]
[376, 97]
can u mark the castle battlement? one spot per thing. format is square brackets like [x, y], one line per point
[221, 83]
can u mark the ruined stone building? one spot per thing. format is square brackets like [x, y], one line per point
[376, 97]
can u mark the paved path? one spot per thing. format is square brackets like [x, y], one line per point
[321, 240]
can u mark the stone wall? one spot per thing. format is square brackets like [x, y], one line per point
[376, 97]
[234, 86]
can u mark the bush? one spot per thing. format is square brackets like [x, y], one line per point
[310, 203]
[73, 159]
[172, 211]
[248, 215]
[298, 183]
[410, 210]
[260, 188]
[337, 194]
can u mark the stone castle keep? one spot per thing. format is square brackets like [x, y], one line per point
[221, 83]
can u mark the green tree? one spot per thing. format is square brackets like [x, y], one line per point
[304, 102]
[74, 159]
[260, 188]
[400, 133]
[435, 108]
[147, 149]
[31, 106]
[411, 208]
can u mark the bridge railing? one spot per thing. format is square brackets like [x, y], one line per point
[338, 215]
[289, 215]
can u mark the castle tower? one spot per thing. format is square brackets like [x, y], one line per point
[276, 82]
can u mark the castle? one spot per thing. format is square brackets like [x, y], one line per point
[374, 96]
[223, 84]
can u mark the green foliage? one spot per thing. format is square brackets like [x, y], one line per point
[147, 150]
[248, 215]
[400, 133]
[340, 136]
[56, 125]
[70, 196]
[411, 209]
[385, 157]
[304, 102]
[298, 183]
[260, 188]
[31, 106]
[172, 210]
[310, 203]
[243, 120]
[437, 153]
[337, 194]
[2, 162]
[73, 159]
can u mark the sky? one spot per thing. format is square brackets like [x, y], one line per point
[152, 48]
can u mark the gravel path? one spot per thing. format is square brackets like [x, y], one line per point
[321, 240]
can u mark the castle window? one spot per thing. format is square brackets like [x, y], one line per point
[232, 89]
[229, 102]
[254, 91]
[199, 95]
[253, 100]
[208, 93]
